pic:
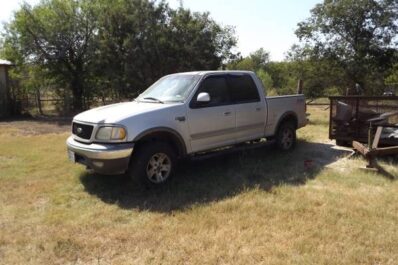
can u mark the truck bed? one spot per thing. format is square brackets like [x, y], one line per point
[281, 105]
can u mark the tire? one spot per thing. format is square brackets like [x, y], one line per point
[270, 138]
[286, 136]
[153, 163]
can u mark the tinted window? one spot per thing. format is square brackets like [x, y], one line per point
[243, 89]
[217, 88]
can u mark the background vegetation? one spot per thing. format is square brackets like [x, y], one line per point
[88, 51]
[109, 49]
[342, 43]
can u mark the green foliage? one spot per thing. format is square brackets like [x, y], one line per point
[58, 37]
[254, 62]
[356, 36]
[246, 64]
[332, 91]
[318, 74]
[278, 78]
[392, 78]
[265, 78]
[87, 49]
[283, 77]
[113, 49]
[144, 41]
[260, 58]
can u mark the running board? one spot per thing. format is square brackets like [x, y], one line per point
[230, 150]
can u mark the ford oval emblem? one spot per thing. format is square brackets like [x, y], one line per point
[79, 130]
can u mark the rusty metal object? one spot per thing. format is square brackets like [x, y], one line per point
[370, 123]
[372, 150]
[355, 118]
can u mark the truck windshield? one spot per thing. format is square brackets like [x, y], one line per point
[172, 88]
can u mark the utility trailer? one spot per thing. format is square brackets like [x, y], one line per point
[356, 118]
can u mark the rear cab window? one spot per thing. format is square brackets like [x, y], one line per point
[242, 89]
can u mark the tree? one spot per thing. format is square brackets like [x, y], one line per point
[59, 36]
[392, 79]
[320, 74]
[131, 37]
[265, 78]
[357, 35]
[260, 58]
[254, 62]
[141, 41]
[114, 48]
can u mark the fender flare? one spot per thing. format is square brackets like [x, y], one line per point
[285, 116]
[175, 136]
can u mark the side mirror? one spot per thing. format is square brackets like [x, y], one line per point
[203, 97]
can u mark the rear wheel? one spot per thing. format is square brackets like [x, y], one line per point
[153, 163]
[286, 136]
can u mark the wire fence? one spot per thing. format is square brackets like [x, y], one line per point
[36, 104]
[50, 105]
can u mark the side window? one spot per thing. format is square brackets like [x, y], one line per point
[243, 89]
[217, 88]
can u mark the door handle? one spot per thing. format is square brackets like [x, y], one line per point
[227, 113]
[258, 109]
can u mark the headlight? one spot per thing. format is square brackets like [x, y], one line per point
[111, 133]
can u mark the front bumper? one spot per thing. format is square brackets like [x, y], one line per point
[109, 159]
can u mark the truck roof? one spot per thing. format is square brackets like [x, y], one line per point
[215, 72]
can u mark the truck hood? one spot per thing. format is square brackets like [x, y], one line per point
[117, 112]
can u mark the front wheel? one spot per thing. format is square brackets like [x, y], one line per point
[153, 163]
[286, 136]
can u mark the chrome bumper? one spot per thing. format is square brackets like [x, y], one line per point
[100, 151]
[102, 158]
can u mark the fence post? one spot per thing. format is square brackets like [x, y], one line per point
[39, 101]
[300, 85]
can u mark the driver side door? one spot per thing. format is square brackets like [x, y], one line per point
[212, 124]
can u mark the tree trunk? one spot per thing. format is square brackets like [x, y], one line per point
[77, 91]
[39, 101]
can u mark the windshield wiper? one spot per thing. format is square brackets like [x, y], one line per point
[154, 99]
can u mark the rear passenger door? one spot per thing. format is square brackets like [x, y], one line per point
[249, 108]
[212, 124]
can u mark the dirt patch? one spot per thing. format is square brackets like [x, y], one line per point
[35, 126]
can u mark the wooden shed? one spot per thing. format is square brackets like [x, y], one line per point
[4, 89]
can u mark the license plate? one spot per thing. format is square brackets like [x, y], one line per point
[71, 156]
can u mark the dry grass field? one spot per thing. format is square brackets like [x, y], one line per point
[310, 206]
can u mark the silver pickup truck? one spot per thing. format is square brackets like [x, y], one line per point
[182, 115]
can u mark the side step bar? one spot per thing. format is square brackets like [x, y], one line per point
[230, 150]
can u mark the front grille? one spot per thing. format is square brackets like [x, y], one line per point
[83, 131]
